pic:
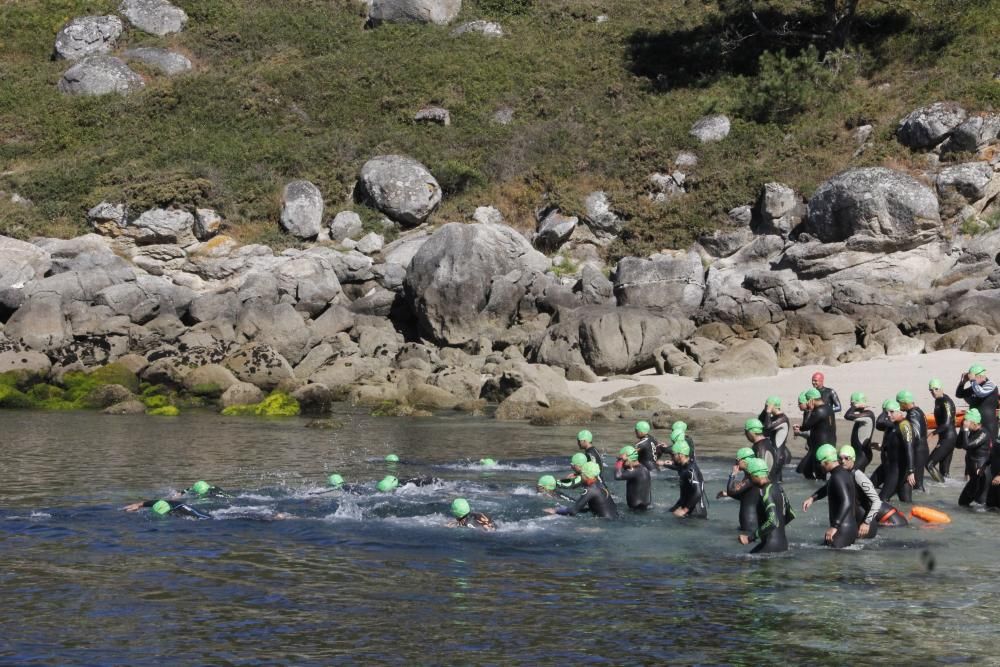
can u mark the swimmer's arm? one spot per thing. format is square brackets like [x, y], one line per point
[765, 527]
[835, 401]
[868, 489]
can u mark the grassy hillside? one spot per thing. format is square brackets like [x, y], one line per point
[298, 89]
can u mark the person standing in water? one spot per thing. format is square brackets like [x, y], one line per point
[939, 463]
[918, 420]
[743, 490]
[646, 445]
[638, 481]
[841, 497]
[980, 393]
[829, 395]
[763, 448]
[864, 428]
[773, 508]
[574, 480]
[777, 428]
[818, 427]
[899, 450]
[973, 439]
[692, 501]
[595, 498]
[585, 441]
[466, 518]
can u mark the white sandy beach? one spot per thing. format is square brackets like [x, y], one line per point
[879, 379]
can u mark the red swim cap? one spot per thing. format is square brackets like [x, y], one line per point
[817, 376]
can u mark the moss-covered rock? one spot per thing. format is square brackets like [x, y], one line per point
[165, 411]
[116, 373]
[10, 397]
[277, 404]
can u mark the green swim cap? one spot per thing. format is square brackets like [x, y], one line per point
[642, 427]
[774, 400]
[753, 426]
[578, 459]
[590, 470]
[160, 507]
[803, 398]
[974, 416]
[826, 453]
[585, 436]
[744, 453]
[934, 384]
[858, 397]
[391, 458]
[335, 480]
[630, 452]
[847, 451]
[679, 426]
[813, 394]
[547, 482]
[387, 483]
[757, 468]
[681, 447]
[891, 406]
[487, 462]
[904, 396]
[678, 436]
[977, 369]
[200, 487]
[460, 507]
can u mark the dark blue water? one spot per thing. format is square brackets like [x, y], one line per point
[378, 578]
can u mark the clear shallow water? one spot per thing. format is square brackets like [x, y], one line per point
[376, 578]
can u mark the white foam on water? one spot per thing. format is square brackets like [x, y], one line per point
[498, 467]
[242, 511]
[34, 516]
[348, 509]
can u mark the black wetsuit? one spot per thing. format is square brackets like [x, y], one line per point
[638, 486]
[891, 517]
[595, 499]
[899, 455]
[595, 456]
[692, 491]
[887, 427]
[663, 449]
[765, 450]
[977, 466]
[921, 451]
[821, 428]
[476, 520]
[841, 496]
[861, 435]
[647, 451]
[213, 492]
[830, 397]
[558, 494]
[983, 397]
[776, 428]
[419, 481]
[944, 415]
[772, 508]
[179, 508]
[869, 504]
[748, 496]
[575, 481]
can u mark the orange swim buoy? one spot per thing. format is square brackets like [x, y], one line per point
[929, 514]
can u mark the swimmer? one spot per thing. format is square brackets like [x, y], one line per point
[939, 463]
[200, 489]
[638, 482]
[777, 427]
[335, 482]
[980, 393]
[466, 518]
[773, 508]
[899, 452]
[841, 498]
[546, 486]
[595, 498]
[869, 504]
[677, 430]
[675, 437]
[973, 439]
[585, 440]
[573, 480]
[817, 427]
[829, 395]
[742, 490]
[692, 501]
[168, 507]
[763, 448]
[646, 445]
[864, 428]
[918, 420]
[390, 483]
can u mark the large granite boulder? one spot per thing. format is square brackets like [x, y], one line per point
[752, 358]
[468, 279]
[874, 209]
[88, 35]
[260, 365]
[20, 264]
[962, 184]
[40, 324]
[302, 210]
[99, 75]
[440, 12]
[928, 126]
[974, 134]
[600, 217]
[400, 187]
[158, 226]
[157, 17]
[666, 283]
[168, 62]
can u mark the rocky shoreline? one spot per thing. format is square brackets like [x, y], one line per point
[877, 262]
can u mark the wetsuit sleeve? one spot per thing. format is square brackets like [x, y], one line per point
[578, 506]
[944, 416]
[961, 391]
[621, 473]
[868, 489]
[187, 510]
[598, 458]
[769, 521]
[983, 390]
[835, 401]
[765, 418]
[852, 413]
[883, 423]
[567, 482]
[813, 419]
[735, 487]
[909, 444]
[821, 492]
